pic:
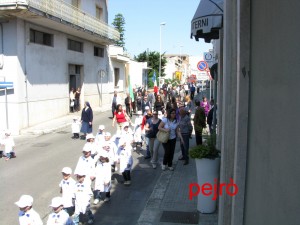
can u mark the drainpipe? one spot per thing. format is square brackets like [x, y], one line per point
[2, 51]
[26, 78]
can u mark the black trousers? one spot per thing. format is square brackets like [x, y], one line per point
[128, 110]
[126, 175]
[169, 148]
[198, 135]
[192, 95]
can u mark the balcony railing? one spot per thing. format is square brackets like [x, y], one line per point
[68, 13]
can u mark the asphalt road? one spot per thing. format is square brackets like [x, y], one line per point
[37, 171]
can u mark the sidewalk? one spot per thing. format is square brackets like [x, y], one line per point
[57, 124]
[169, 202]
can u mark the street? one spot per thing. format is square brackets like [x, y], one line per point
[37, 171]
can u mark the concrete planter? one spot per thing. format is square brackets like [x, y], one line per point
[207, 171]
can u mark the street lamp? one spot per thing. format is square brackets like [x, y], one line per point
[159, 72]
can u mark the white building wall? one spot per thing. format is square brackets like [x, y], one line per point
[136, 73]
[170, 68]
[47, 70]
[121, 84]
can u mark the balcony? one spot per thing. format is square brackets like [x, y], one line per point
[59, 15]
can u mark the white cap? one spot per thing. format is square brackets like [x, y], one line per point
[107, 134]
[101, 127]
[67, 170]
[7, 132]
[25, 200]
[159, 113]
[56, 202]
[125, 124]
[147, 108]
[81, 172]
[87, 147]
[88, 136]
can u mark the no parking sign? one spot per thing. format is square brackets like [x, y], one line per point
[203, 66]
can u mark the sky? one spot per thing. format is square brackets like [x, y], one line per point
[142, 26]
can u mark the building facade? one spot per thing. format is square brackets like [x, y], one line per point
[258, 111]
[47, 48]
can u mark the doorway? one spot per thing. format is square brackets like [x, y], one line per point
[75, 82]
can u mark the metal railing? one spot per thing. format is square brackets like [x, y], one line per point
[67, 12]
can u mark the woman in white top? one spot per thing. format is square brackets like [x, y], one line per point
[170, 124]
[72, 99]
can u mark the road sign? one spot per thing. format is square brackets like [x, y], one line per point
[208, 57]
[6, 84]
[202, 66]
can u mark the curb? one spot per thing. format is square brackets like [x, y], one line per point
[151, 212]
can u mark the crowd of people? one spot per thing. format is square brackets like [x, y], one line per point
[166, 110]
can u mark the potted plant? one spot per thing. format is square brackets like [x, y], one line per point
[207, 159]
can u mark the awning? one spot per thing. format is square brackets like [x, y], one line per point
[207, 20]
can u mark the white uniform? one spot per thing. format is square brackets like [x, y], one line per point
[111, 150]
[137, 137]
[83, 194]
[76, 127]
[8, 143]
[30, 217]
[68, 189]
[87, 165]
[103, 175]
[99, 139]
[92, 147]
[60, 218]
[128, 135]
[125, 157]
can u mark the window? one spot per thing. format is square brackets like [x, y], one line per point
[117, 76]
[42, 38]
[98, 52]
[75, 45]
[99, 12]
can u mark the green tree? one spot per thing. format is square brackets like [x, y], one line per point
[119, 23]
[152, 59]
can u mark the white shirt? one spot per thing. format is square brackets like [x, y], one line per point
[103, 175]
[8, 143]
[125, 157]
[68, 189]
[83, 194]
[60, 218]
[111, 149]
[170, 125]
[99, 139]
[76, 127]
[87, 165]
[72, 96]
[128, 135]
[30, 217]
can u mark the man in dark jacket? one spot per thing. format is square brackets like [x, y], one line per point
[210, 116]
[199, 122]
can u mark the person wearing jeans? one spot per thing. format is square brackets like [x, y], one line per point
[170, 124]
[151, 129]
[186, 129]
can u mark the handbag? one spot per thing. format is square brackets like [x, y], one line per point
[72, 103]
[163, 136]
